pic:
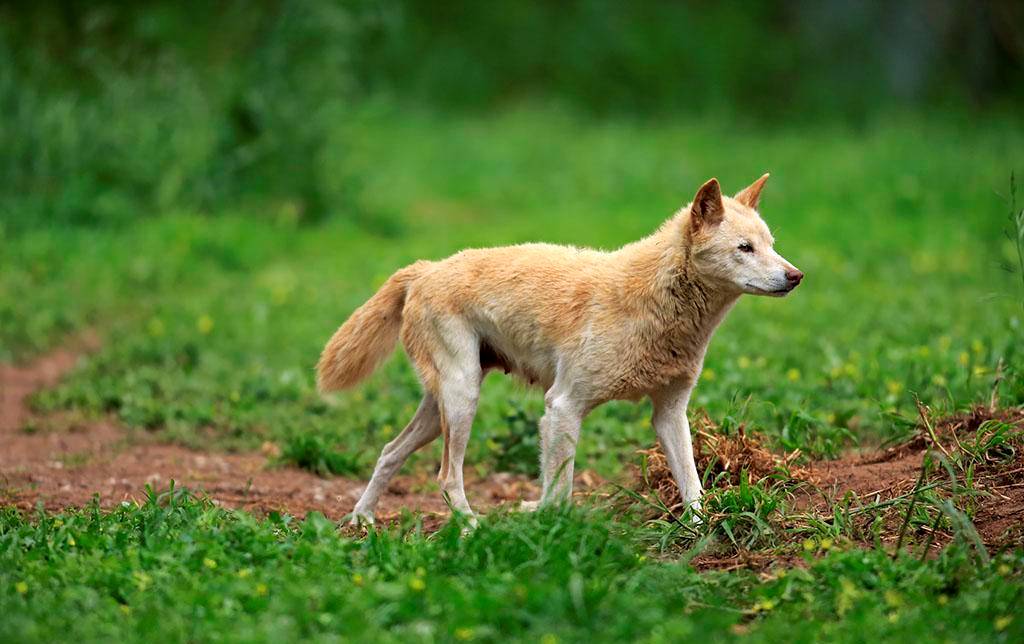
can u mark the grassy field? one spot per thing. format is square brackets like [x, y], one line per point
[213, 322]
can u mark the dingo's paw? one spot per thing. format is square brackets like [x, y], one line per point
[694, 512]
[361, 518]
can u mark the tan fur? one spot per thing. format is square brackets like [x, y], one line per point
[367, 337]
[584, 325]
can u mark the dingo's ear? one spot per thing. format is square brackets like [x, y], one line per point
[707, 208]
[751, 195]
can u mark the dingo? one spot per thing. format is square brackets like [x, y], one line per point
[584, 325]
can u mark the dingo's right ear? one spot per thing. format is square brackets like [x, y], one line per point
[707, 208]
[751, 195]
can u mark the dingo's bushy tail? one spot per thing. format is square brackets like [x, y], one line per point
[368, 336]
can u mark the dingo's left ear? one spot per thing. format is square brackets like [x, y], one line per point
[707, 208]
[751, 195]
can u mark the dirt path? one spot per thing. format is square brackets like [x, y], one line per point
[65, 462]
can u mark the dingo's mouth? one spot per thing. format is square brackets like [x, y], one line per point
[781, 292]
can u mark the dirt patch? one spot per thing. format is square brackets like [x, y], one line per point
[874, 487]
[66, 461]
[995, 456]
[18, 382]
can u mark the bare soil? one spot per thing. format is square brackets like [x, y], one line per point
[859, 480]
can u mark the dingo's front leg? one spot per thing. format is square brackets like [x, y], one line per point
[673, 429]
[559, 434]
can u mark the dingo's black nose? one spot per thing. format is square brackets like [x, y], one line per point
[793, 277]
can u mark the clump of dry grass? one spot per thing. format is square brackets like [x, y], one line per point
[720, 458]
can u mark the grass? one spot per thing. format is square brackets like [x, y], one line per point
[213, 325]
[176, 568]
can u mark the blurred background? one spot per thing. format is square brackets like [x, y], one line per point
[114, 111]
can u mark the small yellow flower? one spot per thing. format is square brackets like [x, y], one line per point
[1004, 569]
[261, 590]
[357, 579]
[826, 544]
[977, 346]
[942, 599]
[279, 294]
[464, 633]
[21, 587]
[810, 544]
[142, 580]
[209, 563]
[831, 418]
[923, 351]
[708, 374]
[58, 523]
[204, 324]
[548, 638]
[764, 606]
[744, 362]
[964, 358]
[894, 387]
[939, 380]
[850, 369]
[387, 430]
[234, 396]
[1003, 622]
[980, 370]
[894, 617]
[127, 610]
[417, 585]
[893, 598]
[244, 572]
[71, 541]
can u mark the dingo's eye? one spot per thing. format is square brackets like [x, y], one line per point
[746, 247]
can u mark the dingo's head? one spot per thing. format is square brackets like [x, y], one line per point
[732, 246]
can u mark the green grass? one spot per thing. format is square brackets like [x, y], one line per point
[213, 324]
[178, 569]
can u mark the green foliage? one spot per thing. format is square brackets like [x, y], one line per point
[517, 448]
[314, 454]
[116, 111]
[159, 109]
[176, 568]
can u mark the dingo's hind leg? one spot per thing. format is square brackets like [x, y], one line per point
[424, 427]
[446, 352]
[459, 394]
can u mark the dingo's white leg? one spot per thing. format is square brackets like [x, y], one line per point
[559, 434]
[458, 362]
[459, 408]
[424, 427]
[673, 429]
